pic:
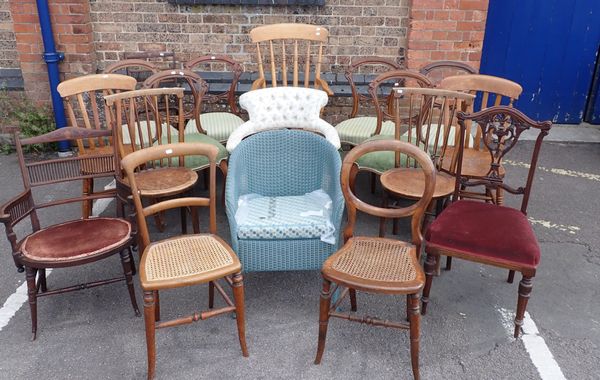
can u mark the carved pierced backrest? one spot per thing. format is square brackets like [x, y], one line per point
[415, 210]
[437, 71]
[494, 91]
[360, 73]
[136, 68]
[85, 108]
[143, 158]
[224, 69]
[290, 55]
[381, 91]
[426, 118]
[501, 128]
[195, 90]
[145, 118]
[163, 60]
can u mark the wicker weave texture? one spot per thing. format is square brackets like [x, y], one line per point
[282, 255]
[378, 260]
[185, 256]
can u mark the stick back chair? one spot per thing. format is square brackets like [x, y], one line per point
[378, 265]
[218, 123]
[183, 260]
[284, 47]
[483, 232]
[362, 122]
[436, 71]
[69, 243]
[83, 100]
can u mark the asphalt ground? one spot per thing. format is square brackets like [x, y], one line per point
[93, 334]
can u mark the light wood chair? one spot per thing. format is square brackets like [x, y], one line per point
[187, 259]
[285, 47]
[378, 265]
[83, 100]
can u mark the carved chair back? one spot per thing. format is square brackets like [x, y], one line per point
[501, 128]
[415, 210]
[437, 71]
[143, 158]
[137, 68]
[284, 47]
[163, 60]
[83, 96]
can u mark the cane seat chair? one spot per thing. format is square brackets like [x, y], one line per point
[476, 160]
[220, 115]
[483, 232]
[68, 243]
[83, 101]
[284, 49]
[378, 265]
[437, 71]
[183, 260]
[362, 124]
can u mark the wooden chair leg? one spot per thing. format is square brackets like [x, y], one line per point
[159, 218]
[414, 321]
[429, 271]
[373, 183]
[448, 262]
[499, 196]
[211, 295]
[325, 304]
[43, 284]
[395, 226]
[353, 305]
[525, 287]
[126, 262]
[150, 323]
[183, 216]
[511, 276]
[238, 295]
[382, 220]
[32, 296]
[352, 180]
[132, 261]
[156, 306]
[87, 187]
[195, 220]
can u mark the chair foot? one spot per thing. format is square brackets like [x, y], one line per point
[415, 321]
[525, 287]
[238, 295]
[324, 306]
[30, 274]
[150, 324]
[429, 270]
[126, 262]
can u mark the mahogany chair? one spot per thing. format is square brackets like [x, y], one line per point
[68, 243]
[362, 122]
[476, 159]
[218, 123]
[298, 45]
[137, 68]
[428, 117]
[163, 60]
[83, 100]
[436, 71]
[378, 265]
[145, 118]
[183, 260]
[487, 233]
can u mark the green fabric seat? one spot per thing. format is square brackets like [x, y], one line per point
[358, 129]
[382, 161]
[198, 162]
[218, 125]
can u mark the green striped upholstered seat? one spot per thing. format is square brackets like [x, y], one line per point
[218, 125]
[356, 130]
[199, 162]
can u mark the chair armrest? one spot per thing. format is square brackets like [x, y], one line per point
[13, 211]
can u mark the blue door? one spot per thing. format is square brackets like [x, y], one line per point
[550, 47]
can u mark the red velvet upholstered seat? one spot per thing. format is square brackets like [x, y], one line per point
[76, 239]
[502, 234]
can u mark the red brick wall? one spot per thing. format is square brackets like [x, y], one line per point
[446, 30]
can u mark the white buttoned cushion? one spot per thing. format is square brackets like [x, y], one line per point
[284, 107]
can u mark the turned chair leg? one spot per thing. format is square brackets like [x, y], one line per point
[211, 295]
[448, 262]
[156, 306]
[87, 188]
[149, 314]
[511, 276]
[43, 284]
[132, 261]
[183, 216]
[325, 304]
[353, 305]
[238, 295]
[429, 271]
[32, 296]
[414, 321]
[126, 262]
[525, 287]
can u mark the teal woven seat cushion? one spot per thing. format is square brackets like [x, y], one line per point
[218, 125]
[358, 129]
[198, 162]
[382, 161]
[285, 217]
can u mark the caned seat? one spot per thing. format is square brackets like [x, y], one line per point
[186, 260]
[165, 181]
[87, 237]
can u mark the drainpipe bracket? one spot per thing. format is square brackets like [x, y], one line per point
[54, 57]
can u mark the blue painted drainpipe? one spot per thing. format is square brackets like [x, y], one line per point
[52, 58]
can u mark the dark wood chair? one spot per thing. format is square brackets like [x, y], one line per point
[163, 60]
[220, 116]
[183, 260]
[83, 101]
[378, 265]
[487, 233]
[437, 71]
[139, 69]
[67, 243]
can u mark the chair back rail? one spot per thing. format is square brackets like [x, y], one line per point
[293, 42]
[137, 68]
[501, 128]
[437, 71]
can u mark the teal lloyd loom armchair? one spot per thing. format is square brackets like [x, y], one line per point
[276, 188]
